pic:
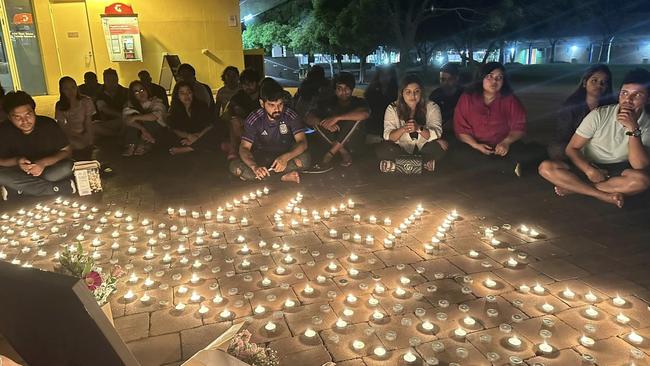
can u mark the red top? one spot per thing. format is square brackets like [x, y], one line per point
[489, 124]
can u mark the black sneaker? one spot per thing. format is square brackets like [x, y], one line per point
[319, 168]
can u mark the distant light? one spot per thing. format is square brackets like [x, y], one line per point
[574, 48]
[512, 50]
[248, 17]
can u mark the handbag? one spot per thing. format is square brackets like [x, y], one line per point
[409, 164]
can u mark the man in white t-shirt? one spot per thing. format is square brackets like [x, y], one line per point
[610, 148]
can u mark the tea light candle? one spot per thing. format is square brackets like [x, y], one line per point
[400, 292]
[270, 327]
[288, 303]
[266, 282]
[404, 280]
[280, 270]
[539, 289]
[356, 218]
[195, 278]
[182, 289]
[332, 266]
[587, 341]
[288, 259]
[409, 357]
[149, 282]
[548, 308]
[181, 249]
[128, 296]
[180, 306]
[387, 221]
[279, 226]
[545, 347]
[217, 299]
[489, 283]
[427, 325]
[310, 333]
[244, 221]
[533, 233]
[514, 341]
[379, 289]
[372, 219]
[348, 312]
[622, 318]
[148, 254]
[568, 294]
[220, 218]
[133, 278]
[145, 298]
[379, 351]
[524, 229]
[618, 301]
[353, 257]
[591, 312]
[207, 215]
[460, 332]
[195, 297]
[259, 309]
[308, 289]
[225, 314]
[589, 296]
[340, 323]
[326, 214]
[377, 315]
[182, 212]
[333, 233]
[369, 239]
[203, 309]
[469, 321]
[635, 338]
[495, 242]
[358, 345]
[473, 253]
[512, 262]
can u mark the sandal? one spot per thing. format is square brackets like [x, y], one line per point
[129, 150]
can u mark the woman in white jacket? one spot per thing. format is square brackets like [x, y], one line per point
[412, 126]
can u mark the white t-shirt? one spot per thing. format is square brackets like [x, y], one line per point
[433, 124]
[608, 143]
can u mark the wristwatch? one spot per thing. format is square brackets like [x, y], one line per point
[635, 133]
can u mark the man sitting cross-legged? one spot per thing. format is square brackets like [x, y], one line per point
[34, 151]
[273, 140]
[337, 119]
[610, 148]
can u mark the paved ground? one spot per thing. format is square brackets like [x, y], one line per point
[583, 245]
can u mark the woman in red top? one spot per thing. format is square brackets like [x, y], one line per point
[490, 119]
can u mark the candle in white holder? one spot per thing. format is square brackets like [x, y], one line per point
[489, 283]
[270, 326]
[288, 303]
[591, 312]
[195, 297]
[308, 289]
[372, 219]
[512, 262]
[180, 306]
[473, 253]
[259, 309]
[379, 289]
[369, 239]
[622, 318]
[427, 325]
[145, 298]
[568, 294]
[280, 270]
[266, 282]
[310, 333]
[149, 282]
[460, 332]
[379, 351]
[170, 211]
[340, 323]
[217, 299]
[332, 266]
[409, 357]
[182, 212]
[333, 233]
[469, 321]
[404, 280]
[618, 301]
[225, 314]
[587, 341]
[356, 218]
[348, 312]
[589, 296]
[351, 299]
[635, 338]
[129, 295]
[514, 341]
[545, 347]
[539, 289]
[387, 221]
[548, 308]
[358, 345]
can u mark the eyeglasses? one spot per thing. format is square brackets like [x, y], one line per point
[632, 95]
[494, 77]
[138, 91]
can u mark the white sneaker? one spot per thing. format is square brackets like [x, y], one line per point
[4, 193]
[73, 186]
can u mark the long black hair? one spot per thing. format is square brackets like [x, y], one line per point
[477, 86]
[375, 83]
[63, 104]
[135, 103]
[403, 110]
[580, 94]
[176, 107]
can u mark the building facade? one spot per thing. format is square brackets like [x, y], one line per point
[43, 40]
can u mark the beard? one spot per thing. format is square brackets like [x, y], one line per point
[274, 115]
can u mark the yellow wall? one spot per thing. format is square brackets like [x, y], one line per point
[181, 27]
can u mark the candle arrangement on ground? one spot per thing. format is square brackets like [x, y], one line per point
[408, 288]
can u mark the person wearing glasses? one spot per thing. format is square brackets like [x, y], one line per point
[594, 90]
[609, 150]
[490, 119]
[144, 117]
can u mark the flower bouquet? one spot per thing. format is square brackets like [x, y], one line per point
[242, 348]
[74, 262]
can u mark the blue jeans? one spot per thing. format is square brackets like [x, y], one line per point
[55, 179]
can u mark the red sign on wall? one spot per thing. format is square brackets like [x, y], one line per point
[23, 18]
[118, 9]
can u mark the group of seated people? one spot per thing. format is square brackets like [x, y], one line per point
[600, 149]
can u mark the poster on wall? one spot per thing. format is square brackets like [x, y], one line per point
[122, 33]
